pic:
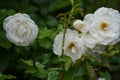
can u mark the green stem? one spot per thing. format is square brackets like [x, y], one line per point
[66, 24]
[72, 2]
[107, 3]
[63, 41]
[62, 77]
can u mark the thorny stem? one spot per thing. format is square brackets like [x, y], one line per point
[66, 24]
[63, 41]
[62, 77]
[65, 30]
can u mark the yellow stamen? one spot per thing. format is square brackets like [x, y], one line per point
[104, 26]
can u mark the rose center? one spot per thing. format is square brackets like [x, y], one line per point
[21, 31]
[72, 48]
[104, 26]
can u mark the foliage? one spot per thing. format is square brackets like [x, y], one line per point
[37, 61]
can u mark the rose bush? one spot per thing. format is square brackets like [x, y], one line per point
[20, 29]
[73, 54]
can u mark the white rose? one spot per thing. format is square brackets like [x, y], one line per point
[103, 27]
[101, 78]
[73, 46]
[20, 29]
[89, 41]
[79, 25]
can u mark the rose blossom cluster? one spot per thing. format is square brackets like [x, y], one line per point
[20, 29]
[98, 29]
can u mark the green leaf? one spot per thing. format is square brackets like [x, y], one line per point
[30, 69]
[9, 77]
[67, 60]
[44, 33]
[105, 75]
[4, 76]
[28, 62]
[1, 76]
[4, 13]
[81, 72]
[91, 71]
[69, 75]
[51, 21]
[46, 42]
[78, 78]
[55, 69]
[114, 67]
[53, 35]
[62, 4]
[30, 8]
[41, 72]
[60, 26]
[78, 11]
[5, 44]
[68, 64]
[3, 64]
[39, 66]
[3, 40]
[106, 65]
[45, 57]
[54, 75]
